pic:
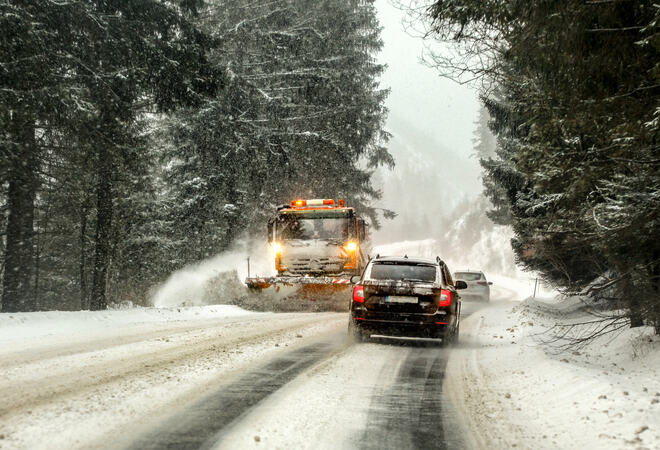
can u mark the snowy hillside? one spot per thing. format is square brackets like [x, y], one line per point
[464, 238]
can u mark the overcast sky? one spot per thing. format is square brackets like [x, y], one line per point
[432, 120]
[429, 113]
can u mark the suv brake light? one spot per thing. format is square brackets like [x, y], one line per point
[445, 298]
[358, 293]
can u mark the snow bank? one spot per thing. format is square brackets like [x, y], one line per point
[518, 387]
[517, 288]
[425, 248]
[17, 326]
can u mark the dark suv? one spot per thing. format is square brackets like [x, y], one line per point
[403, 296]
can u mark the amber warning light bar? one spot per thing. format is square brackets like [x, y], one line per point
[316, 202]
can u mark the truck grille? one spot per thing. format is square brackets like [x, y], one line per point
[314, 265]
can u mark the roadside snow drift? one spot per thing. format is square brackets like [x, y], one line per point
[15, 327]
[518, 388]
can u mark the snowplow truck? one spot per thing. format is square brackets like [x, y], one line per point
[318, 245]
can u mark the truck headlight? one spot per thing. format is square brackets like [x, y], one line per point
[351, 246]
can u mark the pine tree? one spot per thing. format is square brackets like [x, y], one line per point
[35, 93]
[574, 97]
[90, 69]
[142, 135]
[300, 115]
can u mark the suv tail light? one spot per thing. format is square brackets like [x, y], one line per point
[358, 293]
[482, 283]
[445, 298]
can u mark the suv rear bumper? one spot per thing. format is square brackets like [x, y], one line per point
[412, 325]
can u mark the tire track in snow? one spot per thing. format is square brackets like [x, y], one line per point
[201, 425]
[44, 348]
[44, 387]
[412, 412]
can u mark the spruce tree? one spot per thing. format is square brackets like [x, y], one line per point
[573, 90]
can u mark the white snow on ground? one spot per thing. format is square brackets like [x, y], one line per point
[325, 408]
[80, 379]
[422, 248]
[511, 288]
[517, 388]
[19, 326]
[85, 379]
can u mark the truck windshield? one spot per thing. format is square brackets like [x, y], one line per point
[402, 272]
[296, 227]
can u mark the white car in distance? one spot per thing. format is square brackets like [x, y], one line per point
[478, 287]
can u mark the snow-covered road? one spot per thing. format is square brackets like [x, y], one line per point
[221, 377]
[72, 387]
[325, 393]
[207, 376]
[379, 395]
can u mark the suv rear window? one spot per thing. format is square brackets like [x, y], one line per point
[401, 272]
[467, 276]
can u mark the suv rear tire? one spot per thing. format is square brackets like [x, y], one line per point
[355, 333]
[449, 337]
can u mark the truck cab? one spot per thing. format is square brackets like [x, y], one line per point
[318, 237]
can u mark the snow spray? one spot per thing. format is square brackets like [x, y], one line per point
[214, 280]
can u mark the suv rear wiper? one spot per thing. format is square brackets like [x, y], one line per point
[412, 279]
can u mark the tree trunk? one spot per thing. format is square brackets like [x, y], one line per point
[655, 294]
[231, 220]
[42, 223]
[36, 259]
[17, 294]
[103, 230]
[634, 306]
[84, 299]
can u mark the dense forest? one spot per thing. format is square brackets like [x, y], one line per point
[137, 136]
[573, 89]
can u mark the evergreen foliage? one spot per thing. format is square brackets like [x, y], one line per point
[302, 104]
[138, 136]
[573, 88]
